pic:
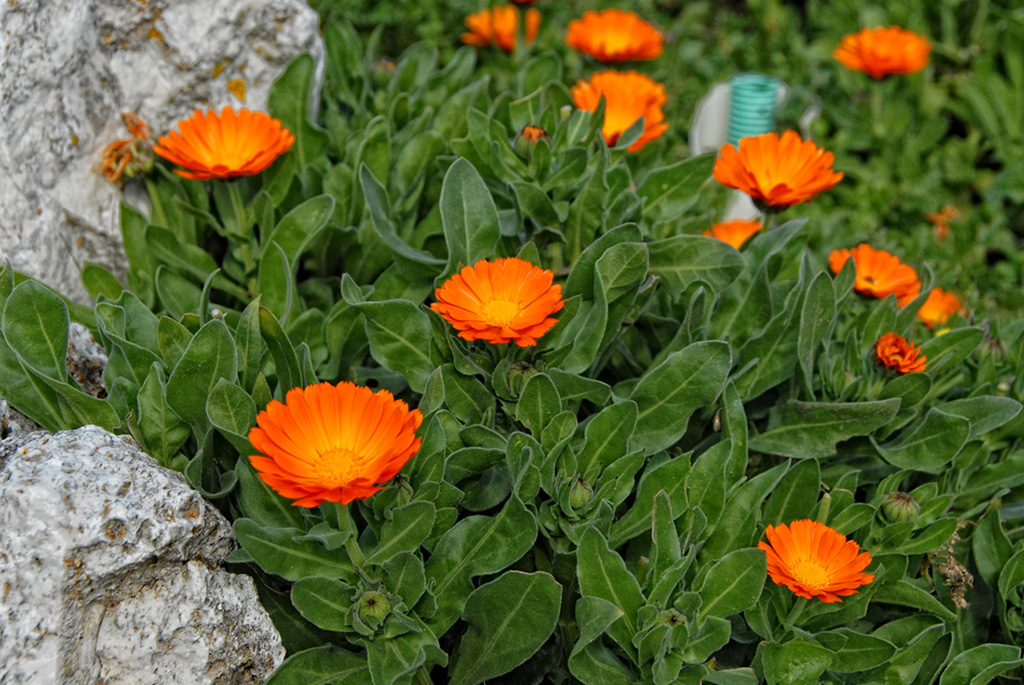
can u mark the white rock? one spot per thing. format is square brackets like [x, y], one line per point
[67, 72]
[110, 571]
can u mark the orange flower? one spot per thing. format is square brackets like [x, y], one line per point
[734, 232]
[225, 145]
[939, 306]
[882, 51]
[497, 26]
[500, 301]
[628, 96]
[940, 220]
[533, 133]
[778, 172]
[614, 36]
[130, 157]
[896, 352]
[879, 274]
[333, 443]
[815, 561]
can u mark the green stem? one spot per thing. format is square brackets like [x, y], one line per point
[794, 614]
[243, 231]
[422, 677]
[345, 523]
[878, 124]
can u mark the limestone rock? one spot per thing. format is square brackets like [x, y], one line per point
[110, 568]
[68, 71]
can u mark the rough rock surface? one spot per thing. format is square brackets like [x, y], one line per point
[67, 72]
[109, 568]
[86, 360]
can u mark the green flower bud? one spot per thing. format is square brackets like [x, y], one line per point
[381, 71]
[580, 494]
[518, 374]
[527, 139]
[899, 506]
[671, 618]
[405, 492]
[373, 607]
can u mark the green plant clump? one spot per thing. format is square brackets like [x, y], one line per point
[589, 509]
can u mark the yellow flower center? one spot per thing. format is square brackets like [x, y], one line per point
[811, 574]
[337, 467]
[501, 313]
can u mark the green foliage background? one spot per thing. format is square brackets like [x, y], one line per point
[588, 510]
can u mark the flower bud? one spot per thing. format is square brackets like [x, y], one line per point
[580, 494]
[527, 138]
[405, 492]
[899, 506]
[381, 71]
[518, 374]
[373, 607]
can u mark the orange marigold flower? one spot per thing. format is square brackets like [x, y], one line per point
[735, 232]
[939, 306]
[896, 352]
[884, 50]
[225, 145]
[130, 157]
[776, 171]
[533, 133]
[500, 301]
[940, 220]
[628, 96]
[879, 273]
[333, 443]
[497, 26]
[614, 36]
[815, 561]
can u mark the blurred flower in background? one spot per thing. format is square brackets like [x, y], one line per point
[614, 36]
[882, 51]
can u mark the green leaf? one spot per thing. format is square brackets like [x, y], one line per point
[274, 282]
[469, 217]
[669, 393]
[98, 281]
[35, 325]
[160, 430]
[986, 412]
[669, 478]
[590, 660]
[796, 495]
[508, 620]
[209, 357]
[286, 363]
[811, 430]
[288, 100]
[737, 526]
[602, 573]
[409, 526]
[855, 651]
[685, 259]
[277, 551]
[324, 602]
[671, 190]
[816, 319]
[380, 210]
[587, 212]
[951, 348]
[475, 546]
[400, 337]
[992, 548]
[581, 278]
[261, 504]
[980, 665]
[930, 445]
[325, 665]
[607, 438]
[909, 595]
[232, 411]
[467, 397]
[733, 583]
[538, 404]
[796, 662]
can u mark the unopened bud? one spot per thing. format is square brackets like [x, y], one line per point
[373, 607]
[382, 70]
[900, 506]
[518, 374]
[580, 494]
[528, 137]
[405, 492]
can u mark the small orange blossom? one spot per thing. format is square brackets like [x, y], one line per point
[628, 97]
[896, 352]
[815, 561]
[614, 36]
